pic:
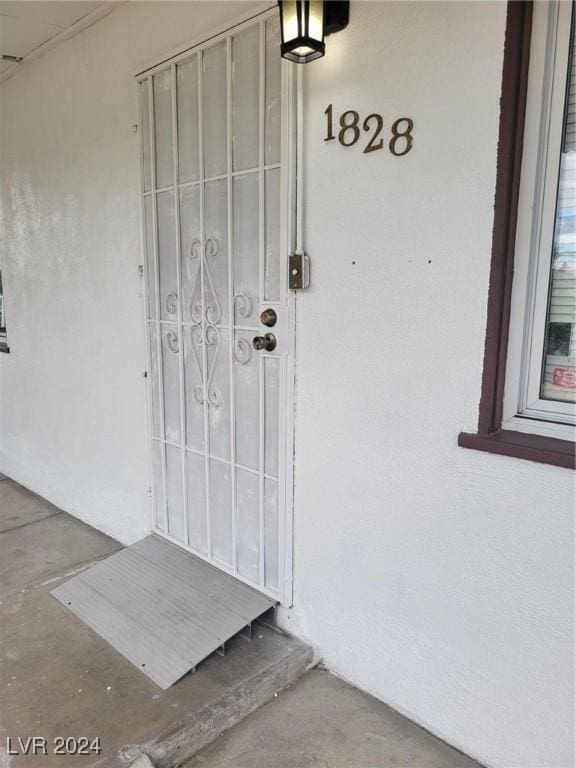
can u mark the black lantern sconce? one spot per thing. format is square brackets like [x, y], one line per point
[305, 23]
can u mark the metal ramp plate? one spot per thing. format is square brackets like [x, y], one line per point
[161, 607]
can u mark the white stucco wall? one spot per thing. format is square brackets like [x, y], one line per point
[439, 579]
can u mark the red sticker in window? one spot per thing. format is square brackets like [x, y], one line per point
[564, 377]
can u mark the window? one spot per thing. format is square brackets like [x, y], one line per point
[3, 339]
[540, 389]
[528, 402]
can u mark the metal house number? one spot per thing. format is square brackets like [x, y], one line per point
[349, 133]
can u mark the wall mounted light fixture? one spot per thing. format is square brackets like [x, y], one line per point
[305, 23]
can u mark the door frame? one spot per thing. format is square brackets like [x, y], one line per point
[290, 217]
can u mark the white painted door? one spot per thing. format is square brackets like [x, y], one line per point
[216, 170]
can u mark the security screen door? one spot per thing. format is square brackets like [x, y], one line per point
[217, 206]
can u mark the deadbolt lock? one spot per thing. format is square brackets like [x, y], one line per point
[269, 317]
[266, 342]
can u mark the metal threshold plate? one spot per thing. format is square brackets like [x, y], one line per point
[162, 608]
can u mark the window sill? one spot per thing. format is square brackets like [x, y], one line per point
[546, 450]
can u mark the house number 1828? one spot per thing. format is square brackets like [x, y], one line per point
[349, 131]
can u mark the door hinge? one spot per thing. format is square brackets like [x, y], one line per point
[141, 270]
[298, 271]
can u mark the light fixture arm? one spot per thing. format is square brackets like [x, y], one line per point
[336, 15]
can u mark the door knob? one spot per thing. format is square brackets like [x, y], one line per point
[267, 342]
[269, 317]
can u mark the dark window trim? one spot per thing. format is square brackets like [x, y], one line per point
[521, 445]
[490, 435]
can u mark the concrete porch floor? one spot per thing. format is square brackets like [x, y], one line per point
[323, 722]
[58, 678]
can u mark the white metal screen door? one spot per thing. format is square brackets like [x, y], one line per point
[216, 159]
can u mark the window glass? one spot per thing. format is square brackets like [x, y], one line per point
[559, 369]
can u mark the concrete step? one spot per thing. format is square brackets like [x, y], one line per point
[221, 693]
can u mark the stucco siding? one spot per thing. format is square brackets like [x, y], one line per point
[438, 578]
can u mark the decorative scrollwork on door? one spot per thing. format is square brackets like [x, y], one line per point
[172, 341]
[196, 342]
[213, 308]
[196, 311]
[206, 312]
[205, 304]
[211, 340]
[242, 305]
[171, 303]
[242, 351]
